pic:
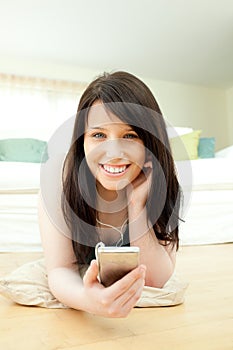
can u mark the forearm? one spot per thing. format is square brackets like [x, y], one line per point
[91, 296]
[152, 254]
[67, 286]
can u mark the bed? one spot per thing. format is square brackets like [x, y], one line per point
[208, 217]
[19, 185]
[208, 213]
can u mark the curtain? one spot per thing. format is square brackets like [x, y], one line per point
[33, 108]
[36, 107]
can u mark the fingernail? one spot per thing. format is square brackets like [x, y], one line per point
[142, 268]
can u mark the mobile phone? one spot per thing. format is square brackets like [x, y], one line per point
[115, 262]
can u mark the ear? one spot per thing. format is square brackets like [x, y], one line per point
[148, 155]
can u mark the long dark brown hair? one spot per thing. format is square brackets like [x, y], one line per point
[130, 100]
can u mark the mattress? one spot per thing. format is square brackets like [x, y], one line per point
[209, 201]
[206, 174]
[19, 229]
[19, 177]
[208, 218]
[19, 186]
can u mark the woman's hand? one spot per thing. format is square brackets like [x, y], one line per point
[116, 300]
[138, 190]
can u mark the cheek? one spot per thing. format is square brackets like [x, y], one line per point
[92, 155]
[91, 161]
[86, 146]
[139, 156]
[87, 151]
[138, 160]
[136, 170]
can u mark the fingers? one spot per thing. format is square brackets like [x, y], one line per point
[130, 297]
[148, 169]
[148, 164]
[116, 300]
[91, 274]
[119, 308]
[121, 286]
[122, 305]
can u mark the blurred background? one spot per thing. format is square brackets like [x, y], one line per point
[50, 50]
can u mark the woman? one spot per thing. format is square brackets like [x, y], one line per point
[119, 187]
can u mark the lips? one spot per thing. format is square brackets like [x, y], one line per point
[114, 169]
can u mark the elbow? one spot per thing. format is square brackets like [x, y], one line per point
[52, 283]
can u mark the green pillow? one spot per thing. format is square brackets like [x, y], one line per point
[185, 146]
[206, 147]
[23, 150]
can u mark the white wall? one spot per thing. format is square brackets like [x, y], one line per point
[229, 101]
[199, 107]
[194, 106]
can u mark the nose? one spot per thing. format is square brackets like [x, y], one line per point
[115, 149]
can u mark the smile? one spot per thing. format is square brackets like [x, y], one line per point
[114, 170]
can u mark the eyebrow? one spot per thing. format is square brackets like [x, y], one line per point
[101, 128]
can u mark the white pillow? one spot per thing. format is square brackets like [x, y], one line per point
[28, 285]
[178, 131]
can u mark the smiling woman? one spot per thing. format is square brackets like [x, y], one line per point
[113, 149]
[118, 173]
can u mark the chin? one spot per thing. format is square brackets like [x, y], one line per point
[114, 187]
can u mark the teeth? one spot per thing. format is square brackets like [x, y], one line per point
[114, 170]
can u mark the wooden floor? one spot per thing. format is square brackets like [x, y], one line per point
[204, 321]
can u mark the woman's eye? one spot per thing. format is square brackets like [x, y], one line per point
[131, 136]
[98, 135]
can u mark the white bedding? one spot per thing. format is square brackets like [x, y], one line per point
[207, 174]
[19, 229]
[19, 177]
[212, 174]
[19, 185]
[208, 219]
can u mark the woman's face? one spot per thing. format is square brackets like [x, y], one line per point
[114, 152]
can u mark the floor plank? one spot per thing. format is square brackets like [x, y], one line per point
[204, 321]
